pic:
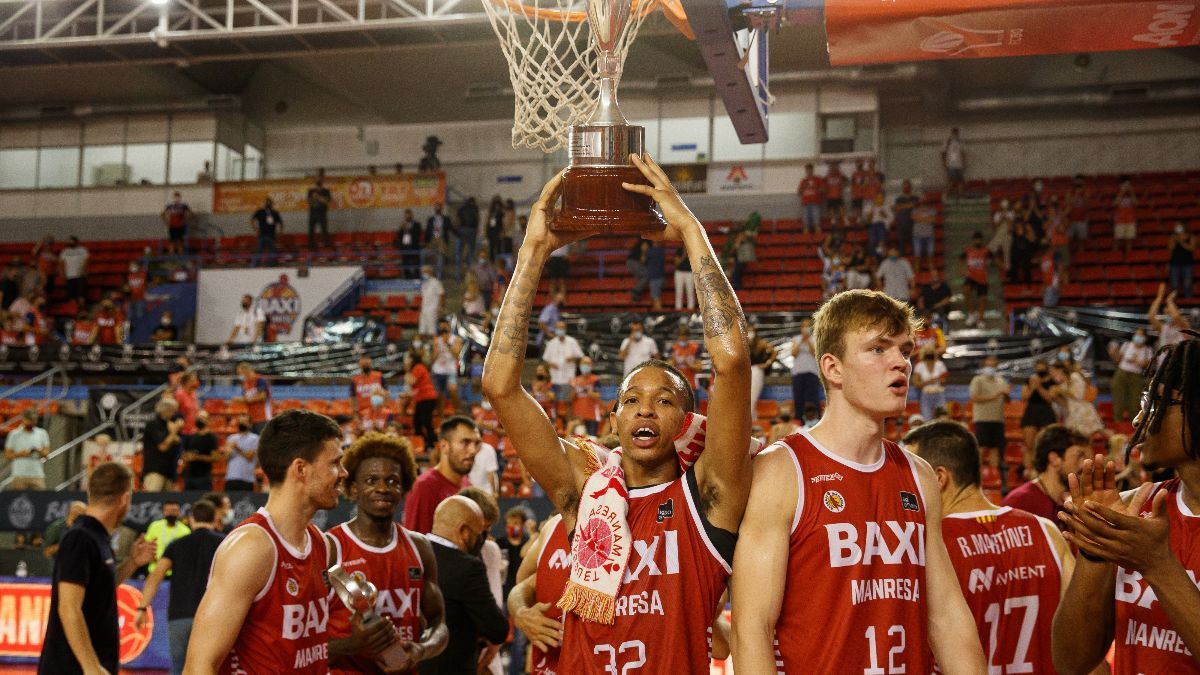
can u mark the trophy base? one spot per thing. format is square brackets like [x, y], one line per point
[594, 201]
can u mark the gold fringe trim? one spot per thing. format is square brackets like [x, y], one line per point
[588, 603]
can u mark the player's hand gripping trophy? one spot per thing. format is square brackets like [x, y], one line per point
[592, 197]
[359, 598]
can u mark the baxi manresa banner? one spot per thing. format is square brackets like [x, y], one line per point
[389, 191]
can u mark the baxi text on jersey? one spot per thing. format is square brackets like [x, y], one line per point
[896, 543]
[1132, 589]
[304, 621]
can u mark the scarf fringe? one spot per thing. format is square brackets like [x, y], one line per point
[588, 603]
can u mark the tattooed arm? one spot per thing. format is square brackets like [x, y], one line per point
[523, 419]
[723, 471]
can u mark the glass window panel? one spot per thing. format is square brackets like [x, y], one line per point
[684, 140]
[728, 148]
[229, 163]
[792, 136]
[187, 161]
[18, 168]
[58, 167]
[147, 163]
[104, 165]
[254, 163]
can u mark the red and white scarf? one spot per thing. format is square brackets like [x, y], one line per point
[600, 548]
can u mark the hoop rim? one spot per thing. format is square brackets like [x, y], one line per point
[671, 8]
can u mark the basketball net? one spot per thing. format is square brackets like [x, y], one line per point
[552, 64]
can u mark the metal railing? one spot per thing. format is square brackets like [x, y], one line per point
[78, 441]
[49, 395]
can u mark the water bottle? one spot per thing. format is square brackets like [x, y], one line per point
[22, 569]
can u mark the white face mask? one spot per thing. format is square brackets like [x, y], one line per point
[485, 404]
[636, 335]
[580, 430]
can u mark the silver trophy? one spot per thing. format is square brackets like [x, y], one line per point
[359, 597]
[593, 199]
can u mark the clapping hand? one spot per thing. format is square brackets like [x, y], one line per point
[1124, 536]
[144, 551]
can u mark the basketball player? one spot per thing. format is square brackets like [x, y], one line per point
[266, 609]
[654, 556]
[843, 529]
[1012, 566]
[1141, 548]
[399, 563]
[532, 603]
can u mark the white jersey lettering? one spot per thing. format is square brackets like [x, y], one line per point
[844, 548]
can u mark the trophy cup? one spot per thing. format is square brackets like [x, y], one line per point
[359, 597]
[592, 196]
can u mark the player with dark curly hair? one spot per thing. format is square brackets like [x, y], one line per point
[380, 471]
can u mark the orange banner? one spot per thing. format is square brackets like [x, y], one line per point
[870, 31]
[403, 190]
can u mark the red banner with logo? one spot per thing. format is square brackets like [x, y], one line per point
[870, 31]
[404, 190]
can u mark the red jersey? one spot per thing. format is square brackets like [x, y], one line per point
[137, 286]
[1146, 643]
[107, 325]
[977, 260]
[1011, 575]
[929, 337]
[12, 337]
[286, 629]
[375, 419]
[398, 575]
[81, 332]
[553, 572]
[858, 182]
[873, 186]
[860, 531]
[683, 357]
[422, 386]
[363, 385]
[676, 574]
[259, 411]
[1077, 207]
[1125, 210]
[811, 190]
[488, 416]
[430, 489]
[584, 406]
[189, 406]
[834, 182]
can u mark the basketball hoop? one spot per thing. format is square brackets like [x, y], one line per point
[552, 65]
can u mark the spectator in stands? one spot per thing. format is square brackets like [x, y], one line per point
[543, 391]
[806, 380]
[200, 452]
[166, 529]
[879, 220]
[468, 233]
[762, 357]
[836, 277]
[685, 283]
[1038, 394]
[812, 193]
[1181, 251]
[656, 268]
[473, 303]
[73, 264]
[26, 447]
[858, 181]
[241, 457]
[1072, 394]
[188, 560]
[433, 294]
[1058, 236]
[635, 262]
[989, 392]
[319, 200]
[835, 186]
[929, 336]
[55, 530]
[10, 282]
[375, 416]
[975, 286]
[188, 402]
[1031, 212]
[161, 446]
[1003, 224]
[33, 280]
[558, 269]
[903, 207]
[485, 273]
[422, 393]
[1024, 250]
[366, 383]
[485, 473]
[447, 349]
[1077, 212]
[408, 241]
[745, 251]
[954, 160]
[934, 297]
[1172, 323]
[250, 324]
[1127, 382]
[436, 240]
[83, 596]
[110, 324]
[549, 316]
[508, 231]
[46, 260]
[585, 397]
[256, 395]
[1125, 216]
[924, 221]
[562, 354]
[135, 281]
[494, 226]
[267, 224]
[166, 330]
[457, 444]
[857, 266]
[684, 354]
[177, 215]
[83, 329]
[1058, 452]
[1051, 279]
[929, 379]
[873, 186]
[637, 348]
[896, 277]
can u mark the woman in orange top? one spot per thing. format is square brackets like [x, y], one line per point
[424, 396]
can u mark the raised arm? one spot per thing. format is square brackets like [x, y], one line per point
[531, 432]
[760, 562]
[723, 471]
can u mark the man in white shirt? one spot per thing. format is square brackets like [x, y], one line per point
[637, 348]
[72, 265]
[954, 159]
[562, 353]
[446, 350]
[432, 294]
[485, 473]
[26, 447]
[896, 277]
[806, 381]
[250, 324]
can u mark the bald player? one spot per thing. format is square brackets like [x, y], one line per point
[841, 565]
[1013, 566]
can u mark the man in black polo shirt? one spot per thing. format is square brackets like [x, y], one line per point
[190, 557]
[82, 633]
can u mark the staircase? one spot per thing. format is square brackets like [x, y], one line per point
[964, 217]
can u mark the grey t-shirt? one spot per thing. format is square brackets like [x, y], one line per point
[897, 275]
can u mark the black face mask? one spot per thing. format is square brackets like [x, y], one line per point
[478, 545]
[243, 428]
[366, 370]
[171, 520]
[1042, 373]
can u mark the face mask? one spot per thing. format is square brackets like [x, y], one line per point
[171, 520]
[166, 321]
[243, 428]
[1064, 356]
[580, 430]
[636, 335]
[245, 305]
[541, 378]
[376, 401]
[836, 261]
[805, 330]
[1042, 373]
[585, 369]
[1139, 339]
[1179, 229]
[227, 519]
[1166, 320]
[988, 371]
[750, 335]
[366, 369]
[477, 545]
[418, 344]
[513, 531]
[558, 332]
[893, 257]
[485, 404]
[201, 425]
